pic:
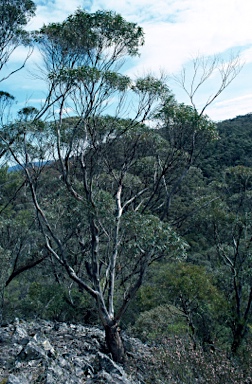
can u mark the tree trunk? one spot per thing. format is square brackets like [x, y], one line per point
[1, 305]
[114, 342]
[238, 338]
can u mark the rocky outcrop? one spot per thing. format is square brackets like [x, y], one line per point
[59, 353]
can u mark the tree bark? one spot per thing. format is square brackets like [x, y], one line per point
[238, 338]
[114, 342]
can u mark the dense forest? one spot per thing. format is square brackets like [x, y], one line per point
[132, 212]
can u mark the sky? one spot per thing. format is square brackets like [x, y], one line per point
[176, 32]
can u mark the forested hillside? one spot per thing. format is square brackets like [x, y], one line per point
[233, 148]
[203, 293]
[121, 207]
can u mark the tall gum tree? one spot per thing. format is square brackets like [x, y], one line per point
[110, 242]
[114, 176]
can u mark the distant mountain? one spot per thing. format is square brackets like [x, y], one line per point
[14, 168]
[35, 163]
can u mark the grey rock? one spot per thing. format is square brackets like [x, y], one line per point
[32, 351]
[107, 378]
[20, 334]
[58, 353]
[108, 365]
[12, 379]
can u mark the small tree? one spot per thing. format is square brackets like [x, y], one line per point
[190, 288]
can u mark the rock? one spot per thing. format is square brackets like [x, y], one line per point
[109, 378]
[12, 379]
[57, 354]
[108, 365]
[32, 351]
[20, 334]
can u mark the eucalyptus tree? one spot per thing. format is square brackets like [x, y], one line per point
[191, 289]
[92, 222]
[82, 57]
[187, 128]
[111, 174]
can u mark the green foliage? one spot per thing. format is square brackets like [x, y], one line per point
[14, 15]
[27, 113]
[5, 96]
[84, 74]
[160, 322]
[232, 148]
[192, 291]
[90, 37]
[151, 85]
[5, 261]
[6, 102]
[44, 298]
[147, 233]
[17, 12]
[51, 301]
[183, 127]
[174, 280]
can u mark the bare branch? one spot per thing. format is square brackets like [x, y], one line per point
[204, 68]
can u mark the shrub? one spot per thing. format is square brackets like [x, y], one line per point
[159, 322]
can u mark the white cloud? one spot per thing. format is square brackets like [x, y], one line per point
[209, 27]
[20, 55]
[144, 10]
[53, 11]
[231, 108]
[36, 101]
[246, 56]
[235, 100]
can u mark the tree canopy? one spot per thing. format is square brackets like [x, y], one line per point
[14, 16]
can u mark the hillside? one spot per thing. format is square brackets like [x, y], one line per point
[187, 313]
[234, 146]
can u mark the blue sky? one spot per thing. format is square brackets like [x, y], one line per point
[175, 32]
